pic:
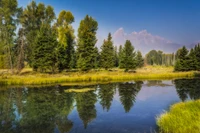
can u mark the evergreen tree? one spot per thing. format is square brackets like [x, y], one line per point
[44, 54]
[120, 53]
[32, 18]
[182, 60]
[116, 57]
[128, 60]
[192, 60]
[107, 53]
[96, 58]
[86, 43]
[139, 59]
[197, 55]
[66, 52]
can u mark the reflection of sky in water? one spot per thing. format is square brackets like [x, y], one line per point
[150, 102]
[133, 108]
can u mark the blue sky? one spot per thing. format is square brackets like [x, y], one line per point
[174, 20]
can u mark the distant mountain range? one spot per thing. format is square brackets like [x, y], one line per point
[145, 41]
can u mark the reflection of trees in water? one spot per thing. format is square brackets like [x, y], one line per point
[41, 110]
[156, 83]
[44, 109]
[106, 93]
[127, 93]
[86, 106]
[188, 87]
[7, 115]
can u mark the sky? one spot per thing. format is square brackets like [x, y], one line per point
[142, 21]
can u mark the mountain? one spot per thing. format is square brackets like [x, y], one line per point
[145, 41]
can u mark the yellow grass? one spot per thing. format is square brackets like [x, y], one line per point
[29, 77]
[79, 90]
[182, 118]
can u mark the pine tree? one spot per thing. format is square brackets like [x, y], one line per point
[181, 63]
[96, 58]
[128, 56]
[139, 59]
[192, 60]
[86, 43]
[66, 51]
[120, 53]
[116, 57]
[107, 53]
[44, 54]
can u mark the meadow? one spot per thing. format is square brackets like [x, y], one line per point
[29, 77]
[181, 118]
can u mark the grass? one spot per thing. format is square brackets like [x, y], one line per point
[182, 118]
[29, 77]
[79, 90]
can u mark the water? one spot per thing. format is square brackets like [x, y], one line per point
[129, 107]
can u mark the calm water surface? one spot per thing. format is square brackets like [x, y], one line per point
[128, 107]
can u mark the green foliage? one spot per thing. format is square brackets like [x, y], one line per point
[120, 53]
[128, 57]
[159, 58]
[139, 59]
[107, 53]
[8, 20]
[66, 53]
[185, 61]
[86, 43]
[20, 48]
[116, 57]
[32, 18]
[44, 55]
[96, 58]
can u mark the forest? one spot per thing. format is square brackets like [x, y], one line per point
[35, 37]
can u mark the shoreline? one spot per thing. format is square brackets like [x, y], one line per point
[77, 77]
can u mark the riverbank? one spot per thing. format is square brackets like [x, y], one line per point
[29, 77]
[182, 118]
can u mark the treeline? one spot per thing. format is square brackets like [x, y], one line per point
[182, 60]
[159, 58]
[48, 44]
[188, 60]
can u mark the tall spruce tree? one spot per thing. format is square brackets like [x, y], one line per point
[139, 59]
[181, 63]
[107, 53]
[120, 53]
[86, 43]
[66, 51]
[116, 57]
[44, 54]
[128, 56]
[96, 58]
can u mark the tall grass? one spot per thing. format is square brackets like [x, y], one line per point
[33, 78]
[182, 118]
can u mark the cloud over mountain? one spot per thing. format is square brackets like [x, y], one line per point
[144, 41]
